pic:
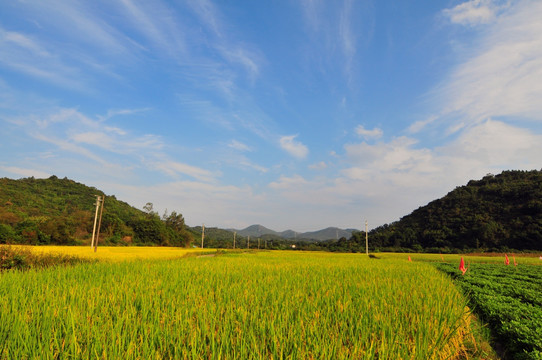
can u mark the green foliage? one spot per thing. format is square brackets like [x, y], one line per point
[508, 299]
[12, 258]
[492, 214]
[61, 211]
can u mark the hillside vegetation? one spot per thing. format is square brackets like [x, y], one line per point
[498, 212]
[61, 211]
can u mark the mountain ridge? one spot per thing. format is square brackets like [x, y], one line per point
[328, 233]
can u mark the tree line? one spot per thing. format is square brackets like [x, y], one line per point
[61, 211]
[495, 213]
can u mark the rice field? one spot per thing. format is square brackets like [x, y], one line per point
[120, 253]
[261, 305]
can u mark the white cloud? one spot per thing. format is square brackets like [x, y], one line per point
[156, 22]
[244, 57]
[318, 166]
[368, 134]
[347, 36]
[285, 182]
[174, 168]
[398, 176]
[237, 145]
[112, 113]
[293, 147]
[472, 12]
[24, 54]
[419, 125]
[234, 52]
[497, 145]
[311, 10]
[249, 164]
[25, 172]
[504, 76]
[230, 204]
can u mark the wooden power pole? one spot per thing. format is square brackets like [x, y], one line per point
[98, 201]
[99, 225]
[202, 234]
[234, 234]
[366, 239]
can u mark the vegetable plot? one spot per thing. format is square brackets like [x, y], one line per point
[509, 299]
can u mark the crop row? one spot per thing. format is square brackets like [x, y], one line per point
[241, 306]
[509, 300]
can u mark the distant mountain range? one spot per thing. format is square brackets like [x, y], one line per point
[320, 235]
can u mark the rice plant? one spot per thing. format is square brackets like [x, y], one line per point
[267, 305]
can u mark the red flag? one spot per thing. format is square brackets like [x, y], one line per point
[409, 259]
[462, 266]
[515, 263]
[506, 260]
[442, 257]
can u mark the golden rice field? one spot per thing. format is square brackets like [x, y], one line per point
[259, 305]
[120, 253]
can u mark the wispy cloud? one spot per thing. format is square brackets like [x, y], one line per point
[155, 21]
[504, 76]
[473, 12]
[174, 168]
[293, 147]
[231, 204]
[404, 173]
[311, 13]
[368, 134]
[347, 36]
[285, 182]
[24, 172]
[116, 112]
[335, 32]
[234, 51]
[318, 166]
[420, 124]
[23, 53]
[237, 145]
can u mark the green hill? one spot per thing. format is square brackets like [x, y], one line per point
[61, 211]
[496, 213]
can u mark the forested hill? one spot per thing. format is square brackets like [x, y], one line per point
[61, 211]
[497, 212]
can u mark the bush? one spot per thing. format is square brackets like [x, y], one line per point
[18, 258]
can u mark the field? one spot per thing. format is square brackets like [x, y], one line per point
[260, 305]
[509, 299]
[121, 253]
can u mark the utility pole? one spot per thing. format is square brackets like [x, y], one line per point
[99, 225]
[258, 243]
[248, 242]
[366, 239]
[234, 234]
[202, 234]
[98, 201]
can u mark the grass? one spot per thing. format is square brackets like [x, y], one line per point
[283, 305]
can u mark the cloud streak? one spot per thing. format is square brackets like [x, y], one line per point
[504, 77]
[472, 12]
[293, 147]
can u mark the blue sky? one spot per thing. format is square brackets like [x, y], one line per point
[291, 114]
